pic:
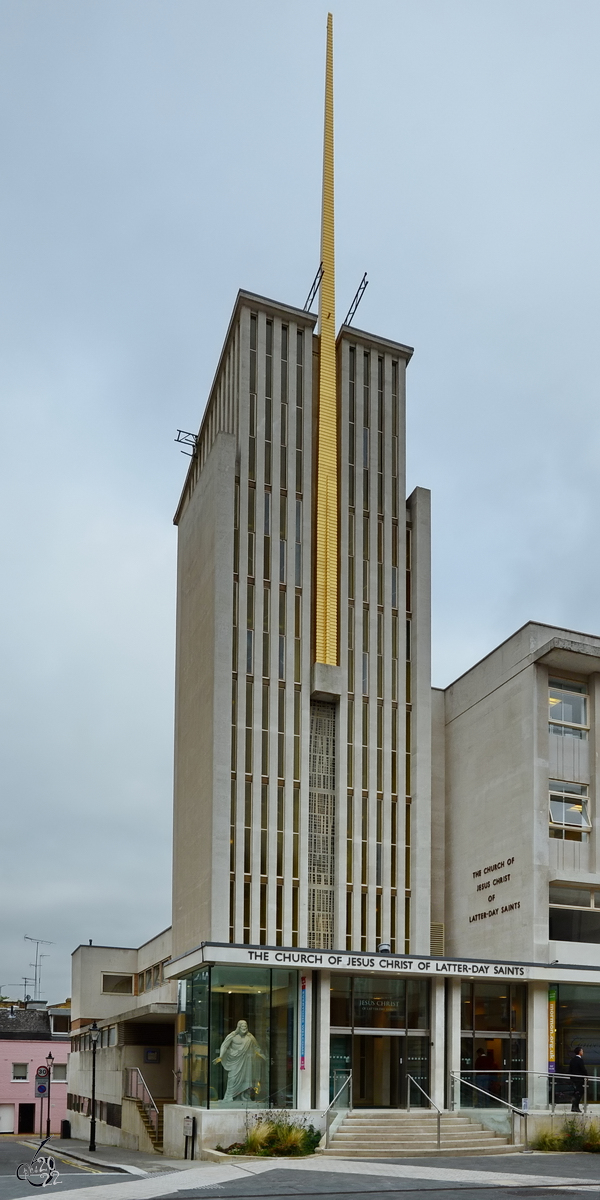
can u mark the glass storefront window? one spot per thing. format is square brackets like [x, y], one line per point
[195, 1039]
[495, 1064]
[239, 1041]
[378, 1013]
[282, 1083]
[341, 1001]
[239, 1036]
[379, 1004]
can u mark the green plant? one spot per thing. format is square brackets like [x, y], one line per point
[576, 1134]
[278, 1135]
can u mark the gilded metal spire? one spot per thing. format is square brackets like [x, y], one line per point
[327, 467]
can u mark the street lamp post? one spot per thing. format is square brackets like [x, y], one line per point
[94, 1034]
[49, 1064]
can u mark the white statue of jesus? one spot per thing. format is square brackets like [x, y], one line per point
[238, 1054]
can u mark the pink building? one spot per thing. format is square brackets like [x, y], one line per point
[28, 1034]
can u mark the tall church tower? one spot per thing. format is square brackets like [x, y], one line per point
[302, 725]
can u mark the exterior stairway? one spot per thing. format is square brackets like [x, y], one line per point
[155, 1138]
[392, 1133]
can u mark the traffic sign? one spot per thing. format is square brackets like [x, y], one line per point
[42, 1072]
[41, 1088]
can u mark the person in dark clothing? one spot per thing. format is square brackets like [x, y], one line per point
[577, 1072]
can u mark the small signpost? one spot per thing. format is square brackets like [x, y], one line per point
[41, 1089]
[189, 1132]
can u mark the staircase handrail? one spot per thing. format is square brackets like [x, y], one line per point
[327, 1114]
[136, 1084]
[514, 1110]
[411, 1079]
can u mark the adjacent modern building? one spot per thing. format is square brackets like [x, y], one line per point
[372, 880]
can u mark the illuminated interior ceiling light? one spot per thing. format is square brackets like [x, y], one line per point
[576, 808]
[554, 700]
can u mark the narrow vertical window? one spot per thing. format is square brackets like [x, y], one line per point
[282, 632]
[263, 914]
[265, 729]
[251, 529]
[248, 829]
[246, 911]
[234, 719]
[352, 423]
[266, 630]
[280, 811]
[379, 746]
[380, 540]
[364, 866]
[349, 836]
[252, 405]
[249, 706]
[380, 432]
[350, 743]
[267, 537]
[348, 920]
[299, 405]
[281, 732]
[363, 921]
[232, 824]
[365, 653]
[298, 545]
[296, 834]
[380, 655]
[297, 730]
[365, 744]
[394, 447]
[351, 542]
[297, 637]
[236, 527]
[268, 400]
[351, 648]
[264, 828]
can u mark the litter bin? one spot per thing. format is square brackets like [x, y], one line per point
[65, 1129]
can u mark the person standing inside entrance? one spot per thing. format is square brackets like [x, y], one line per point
[577, 1072]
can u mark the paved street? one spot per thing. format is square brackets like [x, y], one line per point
[15, 1150]
[525, 1176]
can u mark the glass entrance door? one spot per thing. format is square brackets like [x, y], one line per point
[381, 1065]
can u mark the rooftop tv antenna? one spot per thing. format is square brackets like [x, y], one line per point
[360, 291]
[36, 965]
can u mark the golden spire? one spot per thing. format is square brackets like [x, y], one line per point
[326, 642]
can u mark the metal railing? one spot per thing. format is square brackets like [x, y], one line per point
[136, 1088]
[539, 1089]
[514, 1111]
[328, 1114]
[410, 1079]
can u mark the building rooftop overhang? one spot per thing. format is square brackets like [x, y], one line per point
[568, 655]
[348, 962]
[375, 342]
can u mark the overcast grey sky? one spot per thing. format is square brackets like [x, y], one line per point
[159, 154]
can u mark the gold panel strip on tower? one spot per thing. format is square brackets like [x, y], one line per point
[326, 600]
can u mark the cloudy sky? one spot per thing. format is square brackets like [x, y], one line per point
[159, 154]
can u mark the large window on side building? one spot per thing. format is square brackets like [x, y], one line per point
[569, 811]
[574, 913]
[568, 708]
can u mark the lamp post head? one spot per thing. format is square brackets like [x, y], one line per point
[49, 1060]
[94, 1033]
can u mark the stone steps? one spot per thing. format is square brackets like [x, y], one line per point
[394, 1134]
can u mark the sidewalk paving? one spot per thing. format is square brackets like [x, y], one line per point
[132, 1162]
